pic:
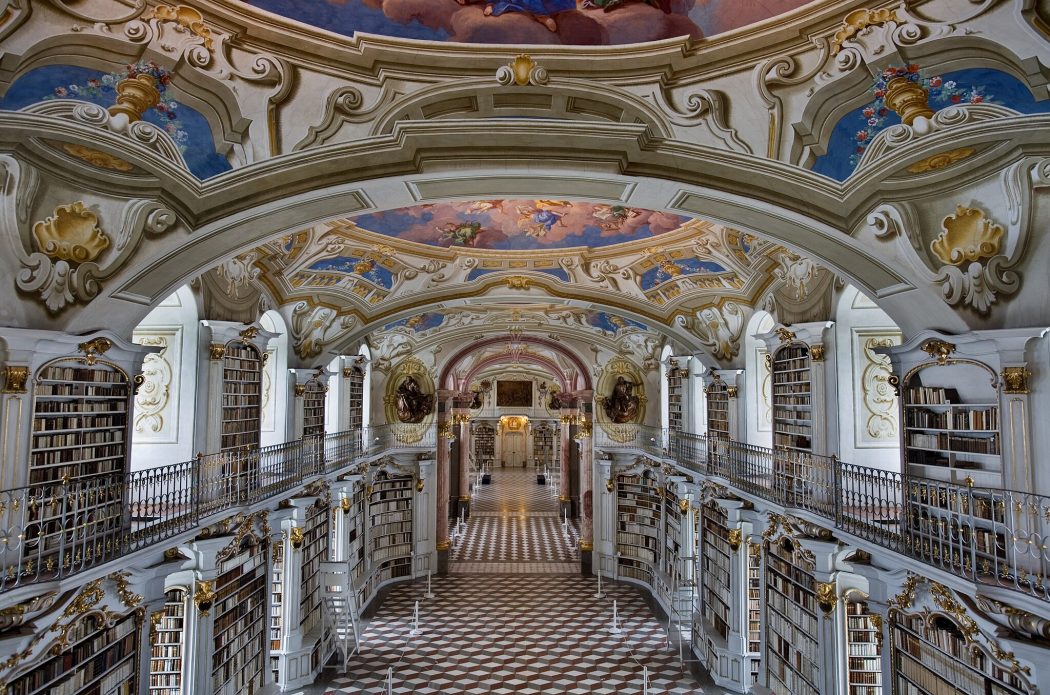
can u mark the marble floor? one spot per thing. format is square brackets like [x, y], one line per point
[515, 616]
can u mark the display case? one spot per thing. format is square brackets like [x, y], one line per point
[167, 644]
[638, 504]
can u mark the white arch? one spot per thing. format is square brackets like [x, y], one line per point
[162, 430]
[868, 422]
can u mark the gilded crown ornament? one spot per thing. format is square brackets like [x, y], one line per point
[939, 349]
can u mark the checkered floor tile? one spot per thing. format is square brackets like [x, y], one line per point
[512, 491]
[521, 538]
[514, 634]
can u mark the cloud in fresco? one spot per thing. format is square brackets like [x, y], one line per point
[520, 224]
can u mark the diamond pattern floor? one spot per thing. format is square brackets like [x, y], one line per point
[514, 634]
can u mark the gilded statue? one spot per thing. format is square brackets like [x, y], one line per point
[412, 404]
[622, 405]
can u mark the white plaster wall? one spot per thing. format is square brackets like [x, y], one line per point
[163, 419]
[697, 400]
[1039, 405]
[758, 409]
[332, 398]
[869, 427]
[275, 408]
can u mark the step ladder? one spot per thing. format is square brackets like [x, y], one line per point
[341, 609]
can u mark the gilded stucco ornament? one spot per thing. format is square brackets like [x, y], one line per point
[940, 350]
[63, 266]
[735, 538]
[187, 19]
[522, 71]
[941, 160]
[15, 378]
[97, 158]
[1015, 380]
[859, 21]
[826, 597]
[154, 393]
[974, 273]
[204, 597]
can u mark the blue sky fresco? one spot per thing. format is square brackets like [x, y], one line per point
[993, 86]
[192, 131]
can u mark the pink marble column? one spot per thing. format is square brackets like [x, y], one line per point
[463, 432]
[443, 446]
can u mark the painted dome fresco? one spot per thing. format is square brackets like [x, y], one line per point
[557, 22]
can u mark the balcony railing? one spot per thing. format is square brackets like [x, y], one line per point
[53, 530]
[989, 536]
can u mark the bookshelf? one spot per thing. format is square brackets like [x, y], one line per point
[276, 607]
[167, 645]
[356, 398]
[792, 647]
[792, 398]
[863, 651]
[484, 436]
[314, 552]
[390, 524]
[716, 571]
[717, 393]
[949, 436]
[80, 430]
[754, 609]
[637, 527]
[80, 421]
[241, 396]
[313, 408]
[543, 445]
[99, 659]
[355, 529]
[931, 656]
[239, 609]
[675, 377]
[672, 551]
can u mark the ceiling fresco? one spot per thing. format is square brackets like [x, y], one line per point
[690, 278]
[564, 22]
[187, 129]
[519, 225]
[855, 131]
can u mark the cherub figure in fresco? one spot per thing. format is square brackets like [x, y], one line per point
[613, 217]
[607, 5]
[462, 233]
[540, 10]
[480, 206]
[537, 220]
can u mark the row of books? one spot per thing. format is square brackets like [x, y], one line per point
[83, 374]
[109, 407]
[81, 390]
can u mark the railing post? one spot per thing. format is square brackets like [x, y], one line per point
[836, 472]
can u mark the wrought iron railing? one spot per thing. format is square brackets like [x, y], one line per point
[53, 530]
[988, 536]
[651, 440]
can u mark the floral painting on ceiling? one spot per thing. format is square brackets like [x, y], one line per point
[855, 131]
[520, 225]
[564, 22]
[187, 127]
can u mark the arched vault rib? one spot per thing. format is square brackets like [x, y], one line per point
[445, 378]
[610, 162]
